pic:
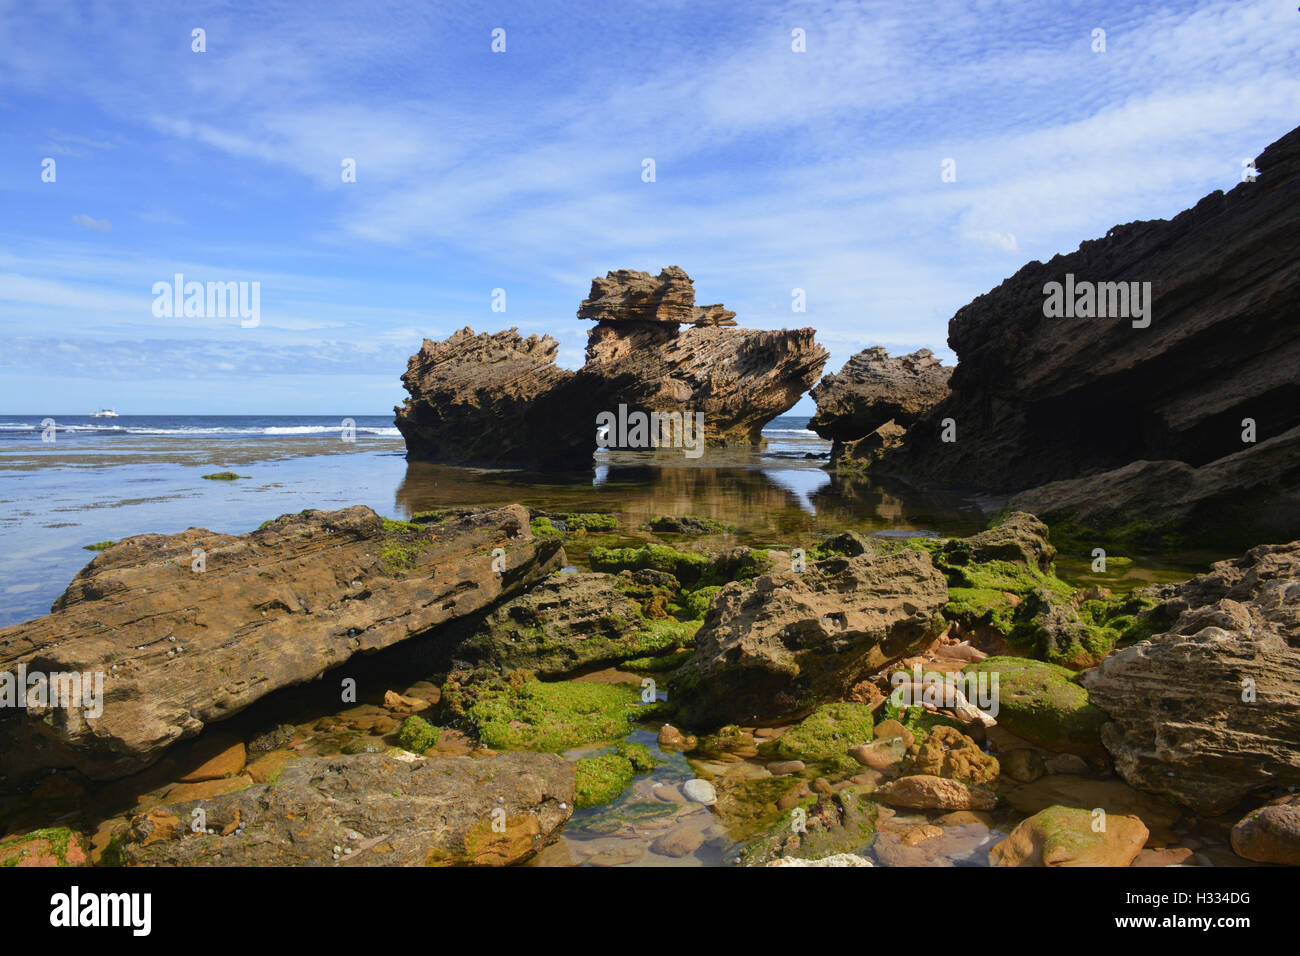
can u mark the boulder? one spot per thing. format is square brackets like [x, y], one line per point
[368, 810]
[873, 390]
[1044, 704]
[928, 792]
[1209, 711]
[774, 648]
[1269, 835]
[1067, 836]
[181, 649]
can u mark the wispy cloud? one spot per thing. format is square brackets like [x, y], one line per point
[775, 169]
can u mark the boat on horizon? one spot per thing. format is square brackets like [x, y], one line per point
[104, 413]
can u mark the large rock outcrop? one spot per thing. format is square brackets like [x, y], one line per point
[1038, 399]
[191, 628]
[873, 390]
[777, 647]
[500, 400]
[1209, 711]
[368, 810]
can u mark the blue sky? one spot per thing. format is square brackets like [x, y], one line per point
[521, 170]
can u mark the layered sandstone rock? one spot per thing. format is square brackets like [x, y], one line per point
[368, 810]
[191, 628]
[1209, 711]
[873, 390]
[484, 399]
[501, 400]
[1101, 404]
[775, 648]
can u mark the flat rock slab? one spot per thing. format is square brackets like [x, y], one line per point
[180, 648]
[391, 809]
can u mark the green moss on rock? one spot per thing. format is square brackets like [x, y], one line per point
[1044, 704]
[553, 716]
[416, 734]
[825, 735]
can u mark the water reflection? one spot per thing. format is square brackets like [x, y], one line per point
[766, 495]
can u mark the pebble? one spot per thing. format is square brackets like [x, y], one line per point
[700, 791]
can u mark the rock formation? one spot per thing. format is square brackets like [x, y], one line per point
[368, 810]
[1209, 711]
[499, 400]
[873, 390]
[1134, 402]
[774, 649]
[191, 628]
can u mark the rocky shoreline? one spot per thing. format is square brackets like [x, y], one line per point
[797, 705]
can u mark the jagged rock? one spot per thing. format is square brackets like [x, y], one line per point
[486, 400]
[275, 607]
[500, 399]
[775, 648]
[947, 752]
[738, 379]
[872, 390]
[1209, 711]
[627, 295]
[369, 810]
[714, 315]
[1040, 399]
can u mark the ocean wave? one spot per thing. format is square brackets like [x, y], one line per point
[388, 431]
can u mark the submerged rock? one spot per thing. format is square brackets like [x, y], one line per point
[1209, 710]
[368, 810]
[182, 644]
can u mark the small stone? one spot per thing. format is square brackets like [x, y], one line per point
[700, 791]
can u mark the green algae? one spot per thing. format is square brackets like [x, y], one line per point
[416, 734]
[98, 546]
[224, 476]
[553, 716]
[686, 566]
[825, 736]
[1044, 704]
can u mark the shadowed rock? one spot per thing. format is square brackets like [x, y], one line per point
[179, 649]
[873, 390]
[1099, 403]
[1209, 711]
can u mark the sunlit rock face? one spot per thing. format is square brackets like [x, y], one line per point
[500, 400]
